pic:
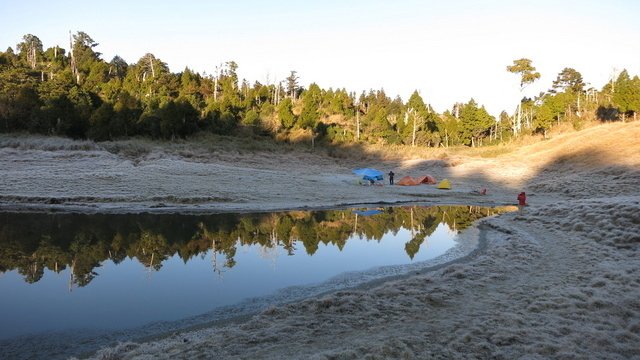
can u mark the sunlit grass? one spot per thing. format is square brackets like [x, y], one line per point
[207, 144]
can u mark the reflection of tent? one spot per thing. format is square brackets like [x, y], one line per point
[367, 212]
[369, 174]
[408, 180]
[445, 184]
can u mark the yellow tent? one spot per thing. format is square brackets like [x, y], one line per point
[444, 184]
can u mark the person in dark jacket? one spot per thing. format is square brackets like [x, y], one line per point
[391, 177]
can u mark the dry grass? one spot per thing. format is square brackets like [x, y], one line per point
[563, 142]
[612, 143]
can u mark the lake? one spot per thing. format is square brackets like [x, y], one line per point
[106, 272]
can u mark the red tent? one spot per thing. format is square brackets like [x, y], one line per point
[427, 179]
[408, 180]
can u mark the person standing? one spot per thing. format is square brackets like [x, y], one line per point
[391, 177]
[522, 199]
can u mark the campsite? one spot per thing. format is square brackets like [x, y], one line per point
[320, 180]
[561, 271]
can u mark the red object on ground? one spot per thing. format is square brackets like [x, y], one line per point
[522, 199]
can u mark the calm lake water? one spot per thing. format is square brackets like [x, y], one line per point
[73, 271]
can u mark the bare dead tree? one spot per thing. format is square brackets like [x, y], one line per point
[74, 67]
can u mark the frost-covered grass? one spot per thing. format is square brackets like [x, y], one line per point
[558, 279]
[44, 143]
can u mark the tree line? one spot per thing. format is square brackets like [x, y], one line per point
[81, 243]
[74, 92]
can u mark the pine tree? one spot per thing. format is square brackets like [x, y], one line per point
[528, 75]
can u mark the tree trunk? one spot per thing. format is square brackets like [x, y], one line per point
[74, 69]
[413, 137]
[357, 124]
[518, 121]
[215, 89]
[153, 71]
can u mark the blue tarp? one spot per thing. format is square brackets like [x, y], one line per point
[369, 174]
[367, 212]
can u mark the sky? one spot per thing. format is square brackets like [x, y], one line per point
[449, 51]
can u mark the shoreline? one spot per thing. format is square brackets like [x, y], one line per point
[466, 247]
[558, 279]
[514, 244]
[240, 319]
[217, 209]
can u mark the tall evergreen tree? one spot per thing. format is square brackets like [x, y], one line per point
[475, 123]
[626, 95]
[568, 80]
[30, 50]
[292, 85]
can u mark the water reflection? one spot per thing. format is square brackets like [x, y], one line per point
[33, 243]
[114, 272]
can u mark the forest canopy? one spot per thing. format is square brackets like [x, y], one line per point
[76, 93]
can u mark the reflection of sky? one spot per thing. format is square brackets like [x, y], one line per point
[127, 295]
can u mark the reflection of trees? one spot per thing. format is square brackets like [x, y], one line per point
[31, 243]
[152, 249]
[87, 252]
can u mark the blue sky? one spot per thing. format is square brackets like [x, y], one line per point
[450, 51]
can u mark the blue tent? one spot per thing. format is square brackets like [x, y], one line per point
[369, 174]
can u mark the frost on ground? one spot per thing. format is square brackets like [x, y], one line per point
[546, 286]
[558, 279]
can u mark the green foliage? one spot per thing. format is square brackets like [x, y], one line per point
[475, 123]
[285, 113]
[627, 93]
[503, 127]
[18, 103]
[553, 107]
[267, 110]
[76, 93]
[310, 104]
[30, 51]
[177, 119]
[101, 123]
[251, 118]
[528, 73]
[568, 80]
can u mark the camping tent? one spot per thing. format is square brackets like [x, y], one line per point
[427, 179]
[369, 174]
[408, 180]
[445, 184]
